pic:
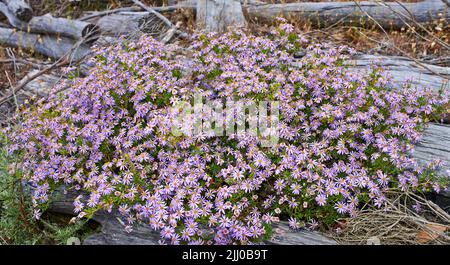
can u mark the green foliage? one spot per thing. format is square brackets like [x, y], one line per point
[17, 225]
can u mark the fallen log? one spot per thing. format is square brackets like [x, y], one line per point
[132, 23]
[435, 144]
[402, 69]
[48, 24]
[37, 88]
[323, 14]
[42, 85]
[74, 29]
[119, 24]
[20, 9]
[389, 15]
[49, 46]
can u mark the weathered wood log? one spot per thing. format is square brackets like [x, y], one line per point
[49, 46]
[283, 235]
[323, 14]
[402, 69]
[74, 29]
[42, 85]
[48, 24]
[219, 15]
[38, 87]
[20, 9]
[435, 144]
[119, 24]
[133, 23]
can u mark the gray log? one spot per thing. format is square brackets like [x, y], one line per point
[46, 45]
[324, 14]
[119, 24]
[283, 235]
[74, 29]
[403, 69]
[130, 24]
[42, 85]
[435, 144]
[20, 9]
[219, 15]
[48, 24]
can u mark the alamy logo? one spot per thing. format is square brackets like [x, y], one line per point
[230, 118]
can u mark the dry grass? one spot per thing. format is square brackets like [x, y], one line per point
[397, 224]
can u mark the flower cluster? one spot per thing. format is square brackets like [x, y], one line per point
[345, 137]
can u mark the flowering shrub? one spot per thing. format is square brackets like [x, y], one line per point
[344, 138]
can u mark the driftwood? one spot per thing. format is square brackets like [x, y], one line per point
[48, 24]
[46, 45]
[41, 85]
[323, 14]
[20, 9]
[219, 15]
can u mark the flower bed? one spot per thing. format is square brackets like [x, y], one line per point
[344, 138]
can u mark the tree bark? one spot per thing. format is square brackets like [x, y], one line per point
[219, 15]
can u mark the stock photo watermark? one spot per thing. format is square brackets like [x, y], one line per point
[231, 118]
